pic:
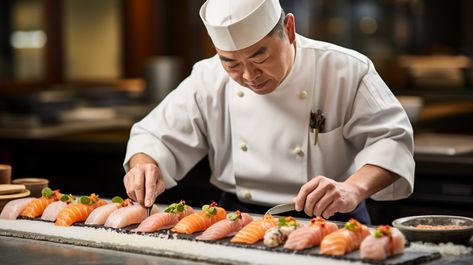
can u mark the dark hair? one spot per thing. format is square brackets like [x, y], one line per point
[279, 28]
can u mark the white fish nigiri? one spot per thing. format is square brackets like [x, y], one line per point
[133, 214]
[52, 210]
[383, 243]
[100, 214]
[13, 208]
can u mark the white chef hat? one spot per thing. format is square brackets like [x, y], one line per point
[237, 24]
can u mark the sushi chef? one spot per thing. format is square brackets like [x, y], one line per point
[282, 118]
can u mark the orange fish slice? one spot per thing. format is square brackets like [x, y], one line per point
[201, 220]
[344, 240]
[36, 207]
[254, 231]
[78, 212]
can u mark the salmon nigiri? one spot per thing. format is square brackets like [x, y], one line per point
[344, 240]
[276, 235]
[171, 216]
[100, 214]
[310, 235]
[201, 220]
[255, 230]
[13, 208]
[78, 212]
[131, 214]
[36, 207]
[384, 242]
[226, 227]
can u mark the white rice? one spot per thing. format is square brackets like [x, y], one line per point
[165, 245]
[445, 249]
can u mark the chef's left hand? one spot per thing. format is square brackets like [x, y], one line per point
[324, 197]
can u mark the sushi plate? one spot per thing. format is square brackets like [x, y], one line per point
[168, 244]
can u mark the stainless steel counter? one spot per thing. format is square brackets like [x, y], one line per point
[27, 251]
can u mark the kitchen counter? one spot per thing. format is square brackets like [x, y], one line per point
[27, 251]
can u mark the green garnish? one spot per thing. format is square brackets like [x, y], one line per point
[287, 221]
[377, 233]
[85, 200]
[176, 207]
[68, 198]
[117, 199]
[234, 216]
[349, 226]
[47, 192]
[382, 230]
[210, 210]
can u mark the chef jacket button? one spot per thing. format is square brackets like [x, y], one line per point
[303, 94]
[247, 195]
[299, 151]
[244, 147]
[240, 94]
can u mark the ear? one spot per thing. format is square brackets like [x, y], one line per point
[290, 27]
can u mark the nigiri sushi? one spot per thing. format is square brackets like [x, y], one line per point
[255, 230]
[53, 209]
[201, 220]
[226, 227]
[171, 216]
[125, 216]
[384, 242]
[100, 214]
[78, 212]
[36, 207]
[275, 236]
[310, 235]
[13, 208]
[344, 240]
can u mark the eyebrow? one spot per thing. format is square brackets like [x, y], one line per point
[258, 52]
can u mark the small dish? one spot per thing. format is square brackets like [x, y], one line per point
[35, 185]
[461, 235]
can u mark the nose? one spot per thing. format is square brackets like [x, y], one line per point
[250, 72]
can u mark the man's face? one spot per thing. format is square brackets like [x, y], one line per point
[264, 65]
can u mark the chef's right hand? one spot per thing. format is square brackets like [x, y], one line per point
[143, 183]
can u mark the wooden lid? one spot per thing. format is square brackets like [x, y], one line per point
[11, 188]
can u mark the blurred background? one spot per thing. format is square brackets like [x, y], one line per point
[75, 75]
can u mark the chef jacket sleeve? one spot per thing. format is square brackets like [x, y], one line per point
[380, 127]
[173, 134]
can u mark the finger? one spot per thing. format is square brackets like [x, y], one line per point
[128, 182]
[324, 202]
[330, 211]
[151, 180]
[139, 188]
[305, 190]
[311, 200]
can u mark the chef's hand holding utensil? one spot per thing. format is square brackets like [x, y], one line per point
[143, 183]
[324, 197]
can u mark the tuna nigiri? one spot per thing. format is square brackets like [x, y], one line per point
[275, 236]
[255, 230]
[100, 214]
[344, 240]
[384, 242]
[201, 220]
[310, 235]
[171, 216]
[13, 208]
[78, 212]
[125, 216]
[226, 227]
[36, 207]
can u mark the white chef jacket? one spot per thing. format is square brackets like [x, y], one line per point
[261, 147]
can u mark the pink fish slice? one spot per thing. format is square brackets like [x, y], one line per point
[12, 209]
[170, 217]
[226, 227]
